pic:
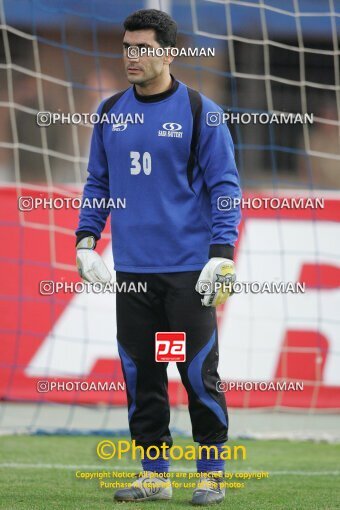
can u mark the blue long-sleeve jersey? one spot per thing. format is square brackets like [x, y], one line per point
[169, 224]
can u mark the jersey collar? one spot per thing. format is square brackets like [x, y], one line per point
[157, 97]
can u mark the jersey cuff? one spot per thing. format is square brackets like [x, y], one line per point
[221, 250]
[85, 233]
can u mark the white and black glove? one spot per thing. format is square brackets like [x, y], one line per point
[216, 281]
[90, 265]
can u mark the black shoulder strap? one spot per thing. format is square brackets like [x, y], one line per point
[111, 101]
[196, 110]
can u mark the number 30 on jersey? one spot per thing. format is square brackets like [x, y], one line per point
[140, 162]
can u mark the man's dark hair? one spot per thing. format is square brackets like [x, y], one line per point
[163, 24]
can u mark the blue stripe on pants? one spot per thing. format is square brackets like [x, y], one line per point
[131, 377]
[196, 380]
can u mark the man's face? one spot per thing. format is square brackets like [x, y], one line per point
[144, 68]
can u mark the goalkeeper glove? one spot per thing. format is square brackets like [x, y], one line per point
[90, 265]
[216, 281]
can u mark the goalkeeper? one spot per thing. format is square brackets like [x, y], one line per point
[171, 170]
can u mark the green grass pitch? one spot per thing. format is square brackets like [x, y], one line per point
[38, 473]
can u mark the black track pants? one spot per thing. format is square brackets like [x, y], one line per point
[170, 304]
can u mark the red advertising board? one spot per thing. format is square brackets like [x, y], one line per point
[63, 337]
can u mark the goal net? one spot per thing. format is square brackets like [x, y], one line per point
[275, 73]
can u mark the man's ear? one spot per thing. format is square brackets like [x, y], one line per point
[168, 59]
